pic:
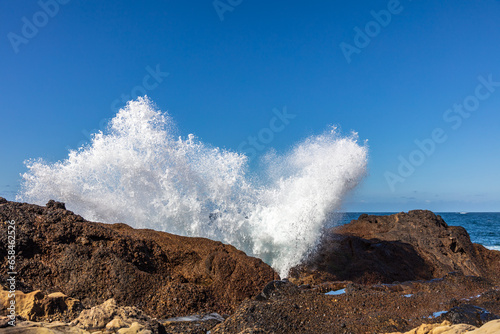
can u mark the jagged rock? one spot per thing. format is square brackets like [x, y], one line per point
[401, 247]
[109, 316]
[55, 205]
[4, 321]
[195, 324]
[283, 307]
[164, 275]
[276, 288]
[470, 314]
[37, 306]
[105, 317]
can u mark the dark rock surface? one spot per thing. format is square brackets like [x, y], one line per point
[286, 308]
[469, 314]
[156, 278]
[162, 274]
[417, 245]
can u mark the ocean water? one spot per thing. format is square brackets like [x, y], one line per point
[142, 172]
[483, 227]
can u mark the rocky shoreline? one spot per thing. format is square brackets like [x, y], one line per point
[377, 274]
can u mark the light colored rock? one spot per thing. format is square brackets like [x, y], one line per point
[30, 327]
[109, 316]
[115, 324]
[27, 305]
[97, 317]
[492, 327]
[135, 328]
[35, 305]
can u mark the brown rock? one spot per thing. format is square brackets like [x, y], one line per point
[283, 307]
[401, 247]
[163, 274]
[4, 321]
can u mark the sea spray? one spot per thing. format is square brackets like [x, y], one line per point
[141, 173]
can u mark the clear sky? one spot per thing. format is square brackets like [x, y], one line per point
[395, 72]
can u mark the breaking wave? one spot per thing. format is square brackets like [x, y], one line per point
[141, 173]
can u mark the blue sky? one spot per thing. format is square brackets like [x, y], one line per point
[66, 66]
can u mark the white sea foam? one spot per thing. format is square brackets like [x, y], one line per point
[493, 247]
[139, 173]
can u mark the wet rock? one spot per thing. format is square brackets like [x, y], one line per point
[195, 324]
[164, 275]
[417, 245]
[469, 314]
[378, 308]
[276, 289]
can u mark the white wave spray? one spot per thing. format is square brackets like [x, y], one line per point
[139, 173]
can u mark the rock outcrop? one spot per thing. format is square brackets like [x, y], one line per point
[125, 278]
[37, 306]
[417, 245]
[284, 307]
[108, 316]
[162, 274]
